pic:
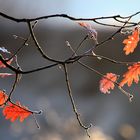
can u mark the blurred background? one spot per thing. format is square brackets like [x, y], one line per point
[112, 116]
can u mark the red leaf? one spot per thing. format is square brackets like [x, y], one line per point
[3, 66]
[107, 82]
[13, 112]
[3, 98]
[3, 75]
[131, 42]
[133, 73]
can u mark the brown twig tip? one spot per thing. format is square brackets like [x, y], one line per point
[87, 129]
[38, 112]
[131, 98]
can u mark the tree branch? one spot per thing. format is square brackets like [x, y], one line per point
[73, 102]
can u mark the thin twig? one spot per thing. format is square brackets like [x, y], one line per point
[19, 71]
[44, 55]
[73, 102]
[24, 43]
[101, 57]
[79, 46]
[14, 86]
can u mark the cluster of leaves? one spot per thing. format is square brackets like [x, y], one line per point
[109, 80]
[133, 72]
[15, 110]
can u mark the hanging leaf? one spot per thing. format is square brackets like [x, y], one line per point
[131, 42]
[3, 98]
[3, 75]
[90, 29]
[131, 75]
[13, 112]
[3, 66]
[107, 82]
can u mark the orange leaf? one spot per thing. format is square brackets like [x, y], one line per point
[132, 74]
[3, 66]
[131, 42]
[107, 82]
[15, 111]
[3, 98]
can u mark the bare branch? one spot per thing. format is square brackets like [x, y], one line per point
[65, 16]
[73, 102]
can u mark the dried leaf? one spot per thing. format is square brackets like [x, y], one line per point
[131, 75]
[13, 112]
[3, 98]
[90, 29]
[107, 82]
[131, 42]
[3, 75]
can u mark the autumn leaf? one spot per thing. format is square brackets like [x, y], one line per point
[131, 75]
[15, 111]
[107, 82]
[8, 62]
[3, 98]
[90, 29]
[3, 75]
[131, 42]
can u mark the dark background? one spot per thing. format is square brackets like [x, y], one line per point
[112, 116]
